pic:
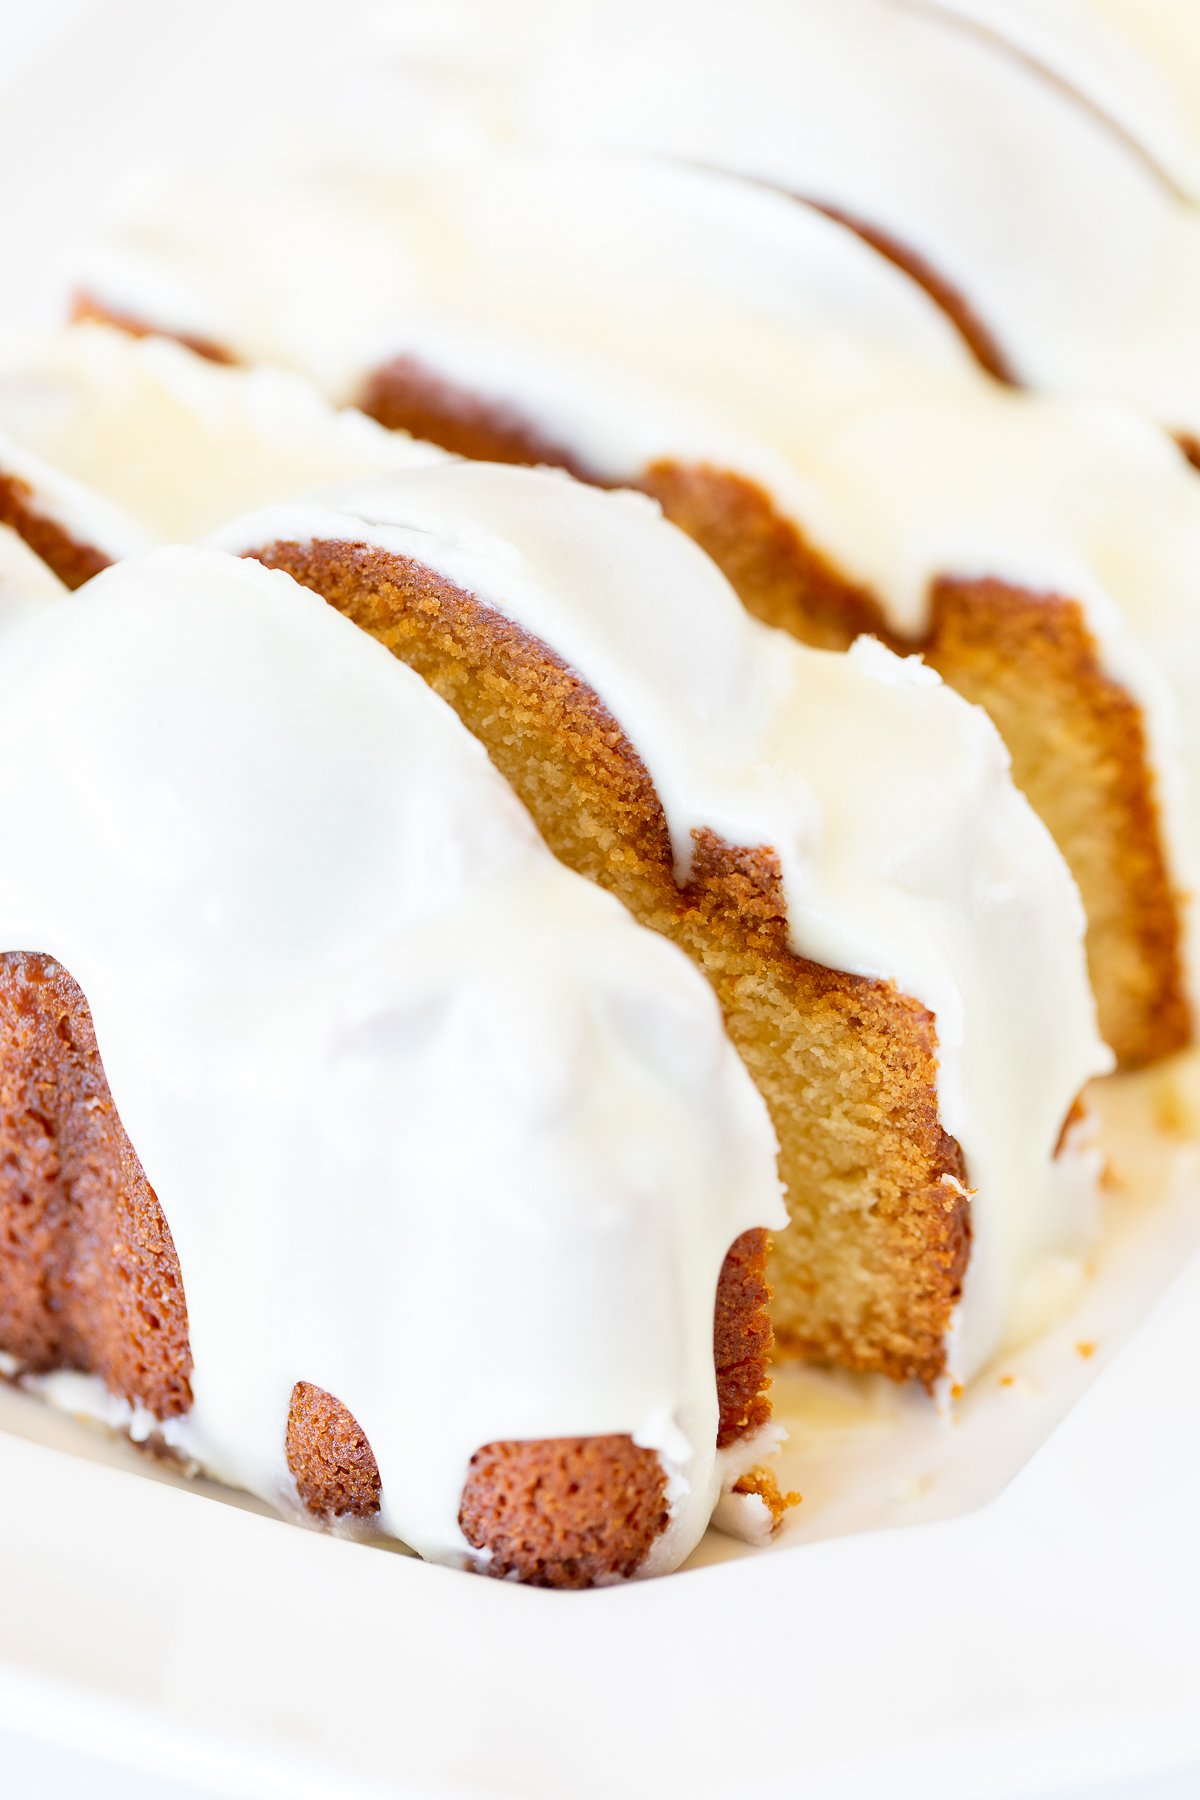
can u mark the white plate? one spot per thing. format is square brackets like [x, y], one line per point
[1005, 1605]
[1042, 1638]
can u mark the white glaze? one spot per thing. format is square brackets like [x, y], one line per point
[1137, 61]
[434, 1125]
[557, 286]
[24, 578]
[906, 852]
[212, 255]
[129, 442]
[1065, 240]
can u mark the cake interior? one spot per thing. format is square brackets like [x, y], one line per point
[1076, 738]
[868, 1274]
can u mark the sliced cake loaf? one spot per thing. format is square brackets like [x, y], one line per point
[836, 841]
[1039, 179]
[806, 415]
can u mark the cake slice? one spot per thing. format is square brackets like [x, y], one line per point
[836, 841]
[352, 1150]
[1042, 193]
[781, 390]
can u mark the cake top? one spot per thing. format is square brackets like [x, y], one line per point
[905, 851]
[915, 122]
[400, 1079]
[209, 255]
[128, 442]
[551, 284]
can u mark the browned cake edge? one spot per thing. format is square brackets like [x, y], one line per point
[73, 562]
[85, 309]
[1190, 445]
[1077, 738]
[979, 338]
[1134, 913]
[89, 1280]
[406, 395]
[600, 814]
[565, 1512]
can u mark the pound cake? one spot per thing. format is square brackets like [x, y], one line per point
[840, 457]
[1028, 192]
[353, 1150]
[835, 839]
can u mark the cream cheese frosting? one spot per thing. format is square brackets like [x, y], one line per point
[374, 1046]
[907, 855]
[128, 442]
[554, 286]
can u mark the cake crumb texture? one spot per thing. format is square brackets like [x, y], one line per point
[762, 1484]
[328, 1455]
[871, 1268]
[73, 562]
[1076, 737]
[567, 1512]
[89, 1278]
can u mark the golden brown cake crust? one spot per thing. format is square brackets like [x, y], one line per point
[86, 309]
[1100, 801]
[406, 395]
[1076, 737]
[870, 1271]
[742, 1338]
[978, 337]
[1098, 795]
[565, 1513]
[73, 562]
[1078, 743]
[89, 1280]
[560, 1512]
[328, 1455]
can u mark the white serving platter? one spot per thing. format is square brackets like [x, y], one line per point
[1003, 1604]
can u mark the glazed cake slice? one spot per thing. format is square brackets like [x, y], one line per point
[351, 1149]
[799, 409]
[1040, 198]
[835, 840]
[110, 445]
